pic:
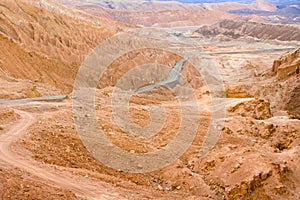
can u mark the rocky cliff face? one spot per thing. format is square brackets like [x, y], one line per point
[281, 87]
[237, 29]
[293, 105]
[287, 65]
[287, 72]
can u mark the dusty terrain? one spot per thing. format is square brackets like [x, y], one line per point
[175, 14]
[165, 18]
[42, 155]
[49, 50]
[153, 14]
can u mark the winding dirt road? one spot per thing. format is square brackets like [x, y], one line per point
[83, 188]
[64, 178]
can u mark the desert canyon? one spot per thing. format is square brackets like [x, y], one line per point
[241, 73]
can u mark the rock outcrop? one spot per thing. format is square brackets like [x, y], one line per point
[286, 69]
[287, 65]
[293, 105]
[258, 109]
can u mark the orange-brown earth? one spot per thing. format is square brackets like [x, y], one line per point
[166, 18]
[49, 46]
[160, 18]
[43, 157]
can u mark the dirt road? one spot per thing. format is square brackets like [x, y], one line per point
[83, 188]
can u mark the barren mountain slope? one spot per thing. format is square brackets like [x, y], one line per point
[34, 68]
[133, 5]
[155, 6]
[237, 29]
[262, 5]
[42, 45]
[164, 18]
[59, 36]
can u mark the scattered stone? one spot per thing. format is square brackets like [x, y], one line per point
[160, 187]
[139, 166]
[68, 150]
[258, 109]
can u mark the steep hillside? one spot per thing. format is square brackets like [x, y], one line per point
[46, 31]
[46, 44]
[287, 69]
[18, 63]
[237, 29]
[288, 64]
